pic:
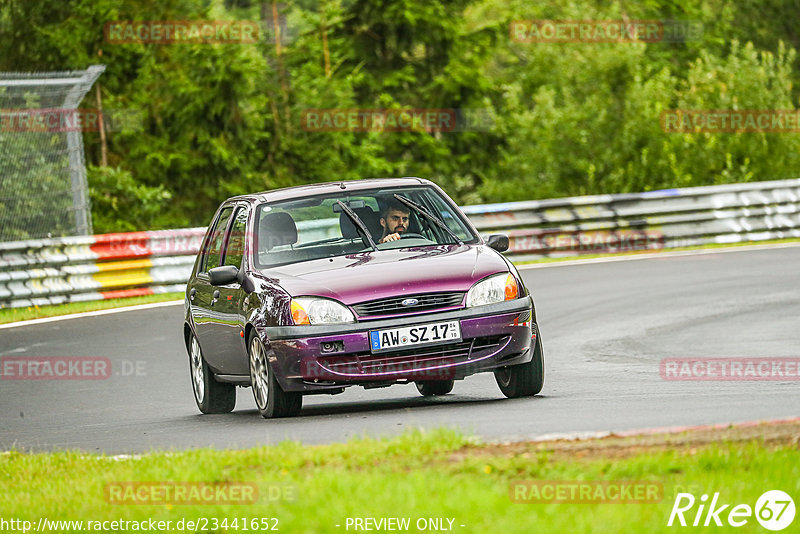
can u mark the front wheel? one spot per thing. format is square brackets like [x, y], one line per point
[211, 396]
[429, 388]
[525, 379]
[271, 400]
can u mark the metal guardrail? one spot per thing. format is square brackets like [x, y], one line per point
[55, 271]
[74, 269]
[644, 221]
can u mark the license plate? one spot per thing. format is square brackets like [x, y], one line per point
[412, 336]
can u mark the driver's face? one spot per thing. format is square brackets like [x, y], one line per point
[395, 222]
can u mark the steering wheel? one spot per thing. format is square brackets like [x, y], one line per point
[411, 235]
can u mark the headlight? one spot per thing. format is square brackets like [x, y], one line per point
[495, 288]
[314, 310]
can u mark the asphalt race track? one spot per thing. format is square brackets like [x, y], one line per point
[606, 327]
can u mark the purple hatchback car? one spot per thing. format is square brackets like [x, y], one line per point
[312, 289]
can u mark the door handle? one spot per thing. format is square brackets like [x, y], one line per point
[216, 296]
[191, 293]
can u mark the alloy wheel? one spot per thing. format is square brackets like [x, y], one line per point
[198, 378]
[259, 373]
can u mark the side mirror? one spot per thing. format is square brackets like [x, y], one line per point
[245, 281]
[222, 276]
[499, 242]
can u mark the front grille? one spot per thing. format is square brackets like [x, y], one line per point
[411, 361]
[394, 306]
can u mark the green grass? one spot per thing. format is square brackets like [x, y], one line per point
[417, 475]
[10, 315]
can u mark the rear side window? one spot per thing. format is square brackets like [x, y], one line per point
[214, 247]
[234, 249]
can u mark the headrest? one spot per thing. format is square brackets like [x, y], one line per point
[276, 229]
[349, 229]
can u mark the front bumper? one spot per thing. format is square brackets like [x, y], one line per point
[492, 336]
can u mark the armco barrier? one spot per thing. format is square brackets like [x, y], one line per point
[639, 221]
[54, 271]
[72, 269]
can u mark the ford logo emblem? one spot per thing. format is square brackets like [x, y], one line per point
[410, 302]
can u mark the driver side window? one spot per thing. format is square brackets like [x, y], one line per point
[234, 248]
[214, 247]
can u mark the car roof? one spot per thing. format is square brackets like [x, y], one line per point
[299, 191]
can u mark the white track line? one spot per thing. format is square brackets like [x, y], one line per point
[91, 314]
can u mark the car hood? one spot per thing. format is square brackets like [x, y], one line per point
[372, 275]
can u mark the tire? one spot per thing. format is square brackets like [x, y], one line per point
[429, 388]
[271, 400]
[525, 379]
[211, 396]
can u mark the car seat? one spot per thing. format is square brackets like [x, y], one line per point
[276, 229]
[370, 219]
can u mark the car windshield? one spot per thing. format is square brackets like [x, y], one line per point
[311, 228]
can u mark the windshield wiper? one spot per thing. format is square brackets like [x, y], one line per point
[358, 222]
[428, 215]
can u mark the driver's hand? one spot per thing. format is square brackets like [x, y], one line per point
[390, 237]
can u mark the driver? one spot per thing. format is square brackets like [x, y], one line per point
[394, 221]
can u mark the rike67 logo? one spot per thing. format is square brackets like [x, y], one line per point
[774, 510]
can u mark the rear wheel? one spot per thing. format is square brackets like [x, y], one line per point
[271, 400]
[523, 380]
[429, 388]
[211, 396]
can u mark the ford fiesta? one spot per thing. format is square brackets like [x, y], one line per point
[312, 289]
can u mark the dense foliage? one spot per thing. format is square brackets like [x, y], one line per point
[566, 118]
